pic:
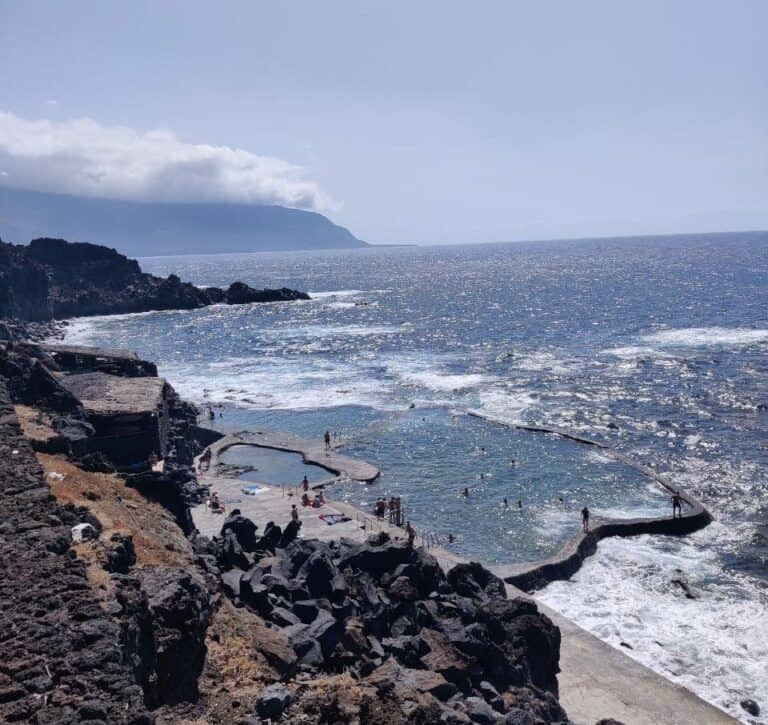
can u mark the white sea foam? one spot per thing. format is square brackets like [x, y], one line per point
[335, 293]
[264, 383]
[504, 406]
[706, 336]
[633, 352]
[432, 372]
[545, 361]
[716, 645]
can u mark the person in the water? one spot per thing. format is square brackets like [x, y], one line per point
[465, 492]
[585, 519]
[506, 503]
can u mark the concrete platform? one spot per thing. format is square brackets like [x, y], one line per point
[311, 451]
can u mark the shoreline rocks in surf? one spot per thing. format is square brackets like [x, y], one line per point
[55, 279]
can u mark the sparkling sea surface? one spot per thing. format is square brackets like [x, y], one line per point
[658, 347]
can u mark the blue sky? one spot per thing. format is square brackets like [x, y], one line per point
[426, 122]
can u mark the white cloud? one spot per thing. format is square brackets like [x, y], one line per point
[85, 158]
[51, 101]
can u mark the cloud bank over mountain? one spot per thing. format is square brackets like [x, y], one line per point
[82, 157]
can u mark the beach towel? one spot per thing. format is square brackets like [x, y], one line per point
[332, 519]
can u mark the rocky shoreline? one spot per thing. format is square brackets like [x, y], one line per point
[55, 279]
[247, 627]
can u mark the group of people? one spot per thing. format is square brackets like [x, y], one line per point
[394, 507]
[316, 502]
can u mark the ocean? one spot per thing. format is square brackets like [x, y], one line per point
[419, 359]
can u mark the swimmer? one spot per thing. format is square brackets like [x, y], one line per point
[465, 492]
[506, 503]
[519, 504]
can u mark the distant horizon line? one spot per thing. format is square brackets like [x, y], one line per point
[374, 245]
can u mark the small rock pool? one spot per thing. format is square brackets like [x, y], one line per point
[281, 468]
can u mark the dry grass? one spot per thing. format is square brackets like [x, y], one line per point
[35, 423]
[156, 537]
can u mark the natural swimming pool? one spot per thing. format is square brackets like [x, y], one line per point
[281, 468]
[428, 456]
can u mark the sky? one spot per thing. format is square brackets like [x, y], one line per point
[408, 122]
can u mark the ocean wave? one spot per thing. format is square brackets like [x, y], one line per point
[706, 336]
[262, 384]
[433, 372]
[505, 406]
[335, 293]
[632, 352]
[716, 645]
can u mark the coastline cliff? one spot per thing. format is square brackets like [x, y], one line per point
[55, 279]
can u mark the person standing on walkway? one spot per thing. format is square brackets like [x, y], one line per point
[411, 532]
[585, 519]
[677, 505]
[327, 442]
[305, 484]
[294, 513]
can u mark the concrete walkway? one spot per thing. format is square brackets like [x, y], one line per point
[596, 680]
[312, 452]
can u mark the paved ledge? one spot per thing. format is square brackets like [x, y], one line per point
[312, 452]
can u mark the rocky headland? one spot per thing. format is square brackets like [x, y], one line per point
[114, 609]
[55, 279]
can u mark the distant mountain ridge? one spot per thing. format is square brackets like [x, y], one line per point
[146, 229]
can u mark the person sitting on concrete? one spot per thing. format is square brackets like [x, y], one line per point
[215, 504]
[677, 505]
[305, 499]
[585, 519]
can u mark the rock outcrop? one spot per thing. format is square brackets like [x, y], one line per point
[56, 279]
[387, 614]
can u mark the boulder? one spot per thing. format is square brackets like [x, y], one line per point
[272, 701]
[315, 641]
[403, 590]
[750, 706]
[121, 554]
[376, 559]
[516, 716]
[180, 609]
[230, 582]
[480, 711]
[231, 554]
[290, 533]
[475, 581]
[443, 657]
[243, 529]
